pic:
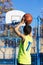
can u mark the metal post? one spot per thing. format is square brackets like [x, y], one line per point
[15, 53]
[38, 41]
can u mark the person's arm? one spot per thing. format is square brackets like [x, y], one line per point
[17, 29]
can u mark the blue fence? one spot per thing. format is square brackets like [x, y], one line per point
[13, 61]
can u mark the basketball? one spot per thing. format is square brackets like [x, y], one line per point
[28, 18]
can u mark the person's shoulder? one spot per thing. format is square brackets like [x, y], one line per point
[29, 38]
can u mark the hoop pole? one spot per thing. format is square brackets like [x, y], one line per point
[38, 41]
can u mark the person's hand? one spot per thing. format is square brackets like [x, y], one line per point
[23, 20]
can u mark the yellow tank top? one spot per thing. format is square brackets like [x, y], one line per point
[24, 56]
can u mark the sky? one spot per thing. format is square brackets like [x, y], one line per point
[34, 7]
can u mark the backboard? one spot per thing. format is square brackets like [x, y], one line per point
[14, 15]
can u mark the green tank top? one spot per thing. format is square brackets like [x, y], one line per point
[24, 56]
